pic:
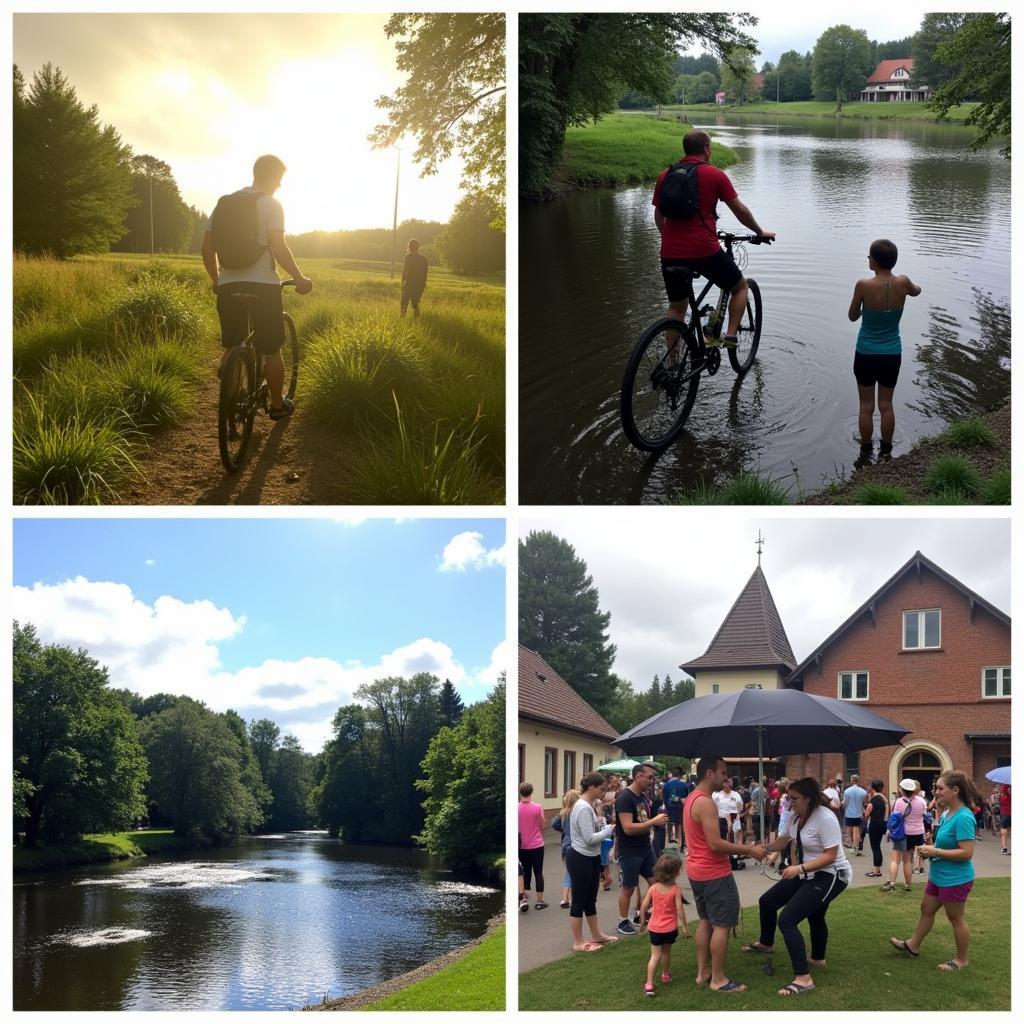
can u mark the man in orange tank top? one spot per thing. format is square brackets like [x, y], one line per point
[710, 875]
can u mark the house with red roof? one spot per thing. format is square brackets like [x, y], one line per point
[891, 82]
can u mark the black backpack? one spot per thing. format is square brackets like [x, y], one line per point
[235, 227]
[678, 197]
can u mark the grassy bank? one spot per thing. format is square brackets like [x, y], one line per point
[827, 109]
[624, 148]
[491, 866]
[109, 352]
[97, 848]
[864, 972]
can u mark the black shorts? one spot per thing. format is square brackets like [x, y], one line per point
[876, 369]
[915, 841]
[663, 938]
[720, 269]
[267, 311]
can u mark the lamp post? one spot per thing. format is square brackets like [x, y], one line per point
[151, 246]
[394, 219]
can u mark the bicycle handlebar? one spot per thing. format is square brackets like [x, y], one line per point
[284, 284]
[728, 236]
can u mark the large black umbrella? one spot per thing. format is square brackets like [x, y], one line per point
[761, 723]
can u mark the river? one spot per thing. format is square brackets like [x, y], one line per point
[270, 924]
[589, 283]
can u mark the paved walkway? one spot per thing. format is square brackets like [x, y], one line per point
[544, 935]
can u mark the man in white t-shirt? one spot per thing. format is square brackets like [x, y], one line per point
[730, 810]
[258, 278]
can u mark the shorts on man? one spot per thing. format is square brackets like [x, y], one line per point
[876, 368]
[720, 269]
[267, 312]
[413, 295]
[852, 822]
[633, 867]
[717, 901]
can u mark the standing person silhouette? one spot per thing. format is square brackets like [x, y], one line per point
[414, 277]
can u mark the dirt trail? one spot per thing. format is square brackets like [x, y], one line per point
[291, 462]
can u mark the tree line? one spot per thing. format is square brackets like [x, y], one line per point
[78, 188]
[408, 762]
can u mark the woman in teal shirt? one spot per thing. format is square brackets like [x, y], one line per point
[951, 871]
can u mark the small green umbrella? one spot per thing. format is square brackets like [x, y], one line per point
[627, 764]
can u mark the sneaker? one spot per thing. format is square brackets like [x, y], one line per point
[649, 989]
[524, 906]
[1007, 852]
[540, 906]
[636, 917]
[729, 341]
[287, 408]
[908, 888]
[666, 978]
[860, 853]
[888, 887]
[626, 927]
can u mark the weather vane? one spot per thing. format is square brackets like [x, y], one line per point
[760, 545]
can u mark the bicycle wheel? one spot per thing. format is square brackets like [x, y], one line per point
[236, 409]
[290, 355]
[748, 334]
[660, 385]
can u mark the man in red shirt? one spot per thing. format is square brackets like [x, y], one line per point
[693, 242]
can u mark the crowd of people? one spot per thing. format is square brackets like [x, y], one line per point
[708, 825]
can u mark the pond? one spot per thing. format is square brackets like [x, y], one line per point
[590, 282]
[270, 924]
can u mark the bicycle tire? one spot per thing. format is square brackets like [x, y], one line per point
[236, 407]
[290, 355]
[749, 332]
[655, 401]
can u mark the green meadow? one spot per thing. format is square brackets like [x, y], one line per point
[110, 352]
[623, 148]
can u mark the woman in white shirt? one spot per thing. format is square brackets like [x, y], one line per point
[821, 872]
[583, 860]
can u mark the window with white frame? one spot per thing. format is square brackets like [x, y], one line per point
[922, 630]
[995, 681]
[853, 686]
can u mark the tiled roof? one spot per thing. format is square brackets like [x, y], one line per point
[883, 73]
[752, 634]
[546, 697]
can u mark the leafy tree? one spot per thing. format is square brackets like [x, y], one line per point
[350, 758]
[453, 98]
[935, 30]
[469, 244]
[263, 738]
[291, 782]
[574, 67]
[980, 51]
[695, 88]
[738, 76]
[559, 617]
[891, 50]
[172, 220]
[706, 62]
[72, 175]
[464, 783]
[79, 765]
[249, 767]
[842, 59]
[794, 73]
[451, 704]
[197, 779]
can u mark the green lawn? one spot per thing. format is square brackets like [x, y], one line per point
[864, 972]
[827, 108]
[476, 982]
[96, 848]
[622, 148]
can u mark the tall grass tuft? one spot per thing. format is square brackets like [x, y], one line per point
[880, 494]
[745, 489]
[969, 433]
[952, 473]
[148, 388]
[158, 307]
[996, 490]
[69, 462]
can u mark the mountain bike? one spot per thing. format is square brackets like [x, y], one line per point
[243, 388]
[663, 370]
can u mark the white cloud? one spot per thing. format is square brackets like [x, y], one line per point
[466, 551]
[150, 562]
[487, 677]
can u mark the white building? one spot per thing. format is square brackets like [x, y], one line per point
[890, 83]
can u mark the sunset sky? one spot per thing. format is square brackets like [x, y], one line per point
[209, 93]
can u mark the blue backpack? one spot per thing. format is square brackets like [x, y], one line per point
[897, 822]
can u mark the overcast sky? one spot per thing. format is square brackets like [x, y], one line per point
[208, 93]
[670, 576]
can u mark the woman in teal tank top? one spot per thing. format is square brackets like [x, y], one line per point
[878, 304]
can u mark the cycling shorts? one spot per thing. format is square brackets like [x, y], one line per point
[720, 269]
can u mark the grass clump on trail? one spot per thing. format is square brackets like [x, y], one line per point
[952, 475]
[996, 490]
[880, 494]
[860, 922]
[622, 148]
[744, 489]
[970, 433]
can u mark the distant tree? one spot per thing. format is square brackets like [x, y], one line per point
[199, 222]
[469, 244]
[698, 88]
[574, 67]
[842, 58]
[291, 783]
[263, 738]
[794, 72]
[706, 62]
[197, 781]
[981, 52]
[79, 764]
[451, 704]
[738, 76]
[892, 49]
[453, 98]
[172, 222]
[350, 757]
[935, 30]
[248, 765]
[71, 175]
[464, 784]
[560, 618]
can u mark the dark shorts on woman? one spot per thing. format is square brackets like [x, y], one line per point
[949, 893]
[871, 369]
[717, 901]
[663, 938]
[853, 822]
[915, 841]
[720, 269]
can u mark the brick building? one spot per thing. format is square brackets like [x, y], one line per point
[929, 653]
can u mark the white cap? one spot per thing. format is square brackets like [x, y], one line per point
[908, 784]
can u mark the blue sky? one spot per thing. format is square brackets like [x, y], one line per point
[281, 618]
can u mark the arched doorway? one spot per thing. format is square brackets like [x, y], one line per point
[924, 766]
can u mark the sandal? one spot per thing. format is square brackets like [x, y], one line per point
[793, 989]
[872, 874]
[588, 947]
[901, 945]
[756, 947]
[732, 987]
[951, 965]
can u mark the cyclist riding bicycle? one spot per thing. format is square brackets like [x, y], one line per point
[243, 243]
[691, 241]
